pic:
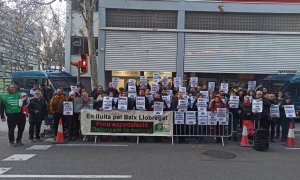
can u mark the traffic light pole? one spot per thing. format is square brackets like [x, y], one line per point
[78, 76]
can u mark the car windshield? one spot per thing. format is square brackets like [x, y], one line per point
[63, 82]
[273, 85]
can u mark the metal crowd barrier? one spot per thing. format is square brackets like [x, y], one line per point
[214, 131]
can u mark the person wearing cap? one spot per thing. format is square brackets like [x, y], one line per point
[38, 111]
[34, 88]
[14, 116]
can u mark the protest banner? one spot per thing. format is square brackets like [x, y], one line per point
[234, 102]
[211, 86]
[179, 118]
[182, 105]
[158, 108]
[167, 99]
[83, 104]
[190, 117]
[257, 105]
[224, 87]
[211, 118]
[107, 103]
[221, 116]
[194, 81]
[289, 111]
[68, 108]
[127, 123]
[202, 117]
[251, 85]
[143, 81]
[274, 111]
[140, 103]
[177, 82]
[164, 80]
[122, 103]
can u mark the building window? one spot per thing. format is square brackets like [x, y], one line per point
[242, 21]
[128, 18]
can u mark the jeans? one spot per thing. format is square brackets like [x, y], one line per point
[13, 120]
[56, 117]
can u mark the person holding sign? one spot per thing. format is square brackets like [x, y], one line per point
[233, 105]
[122, 99]
[72, 120]
[142, 100]
[38, 111]
[285, 119]
[273, 120]
[113, 89]
[264, 115]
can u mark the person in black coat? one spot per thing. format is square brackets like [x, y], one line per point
[38, 111]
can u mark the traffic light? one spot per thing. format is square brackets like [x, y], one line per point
[83, 63]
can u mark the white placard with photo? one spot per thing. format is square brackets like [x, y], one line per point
[73, 88]
[143, 81]
[164, 80]
[201, 104]
[274, 111]
[131, 82]
[140, 103]
[68, 108]
[205, 94]
[107, 103]
[194, 81]
[251, 85]
[182, 105]
[122, 103]
[154, 87]
[177, 82]
[257, 105]
[289, 111]
[221, 116]
[224, 87]
[202, 117]
[167, 99]
[182, 89]
[158, 108]
[234, 102]
[179, 117]
[115, 81]
[211, 118]
[190, 117]
[156, 75]
[211, 86]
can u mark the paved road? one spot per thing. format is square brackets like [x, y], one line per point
[149, 161]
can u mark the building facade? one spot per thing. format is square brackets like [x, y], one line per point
[215, 41]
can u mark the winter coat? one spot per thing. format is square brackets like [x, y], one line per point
[38, 109]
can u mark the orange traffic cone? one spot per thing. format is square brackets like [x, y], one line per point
[290, 141]
[244, 141]
[60, 133]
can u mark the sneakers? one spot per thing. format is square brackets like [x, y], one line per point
[31, 141]
[19, 143]
[12, 144]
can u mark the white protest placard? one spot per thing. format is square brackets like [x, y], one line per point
[156, 81]
[194, 81]
[131, 88]
[221, 116]
[274, 111]
[190, 117]
[224, 87]
[182, 89]
[167, 99]
[155, 75]
[179, 117]
[251, 85]
[205, 94]
[257, 105]
[122, 103]
[68, 108]
[177, 82]
[186, 97]
[234, 102]
[182, 105]
[115, 81]
[211, 86]
[211, 118]
[158, 108]
[115, 99]
[289, 111]
[201, 104]
[202, 117]
[154, 87]
[140, 103]
[131, 82]
[107, 103]
[192, 99]
[164, 80]
[143, 81]
[131, 94]
[73, 88]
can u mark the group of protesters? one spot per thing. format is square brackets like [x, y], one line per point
[18, 107]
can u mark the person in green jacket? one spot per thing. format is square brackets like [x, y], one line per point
[14, 116]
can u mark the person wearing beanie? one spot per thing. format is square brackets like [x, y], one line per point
[72, 120]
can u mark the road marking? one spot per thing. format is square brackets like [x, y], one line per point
[69, 176]
[93, 145]
[3, 170]
[39, 147]
[49, 140]
[19, 157]
[292, 148]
